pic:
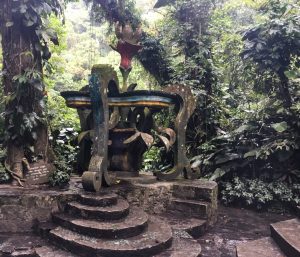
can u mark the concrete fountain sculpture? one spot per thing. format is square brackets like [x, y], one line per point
[122, 122]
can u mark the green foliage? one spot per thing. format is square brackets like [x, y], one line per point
[267, 150]
[4, 175]
[23, 117]
[156, 159]
[34, 19]
[59, 178]
[257, 132]
[113, 10]
[22, 120]
[64, 145]
[259, 194]
[154, 52]
[65, 149]
[274, 43]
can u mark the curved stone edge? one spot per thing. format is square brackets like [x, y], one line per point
[134, 224]
[115, 212]
[138, 246]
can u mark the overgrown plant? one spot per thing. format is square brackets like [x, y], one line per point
[274, 43]
[65, 149]
[259, 194]
[260, 138]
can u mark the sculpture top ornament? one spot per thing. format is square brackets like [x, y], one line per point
[128, 46]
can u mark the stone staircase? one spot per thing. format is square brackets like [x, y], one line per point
[284, 241]
[105, 226]
[102, 225]
[195, 199]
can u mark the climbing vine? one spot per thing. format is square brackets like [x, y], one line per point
[26, 38]
[27, 96]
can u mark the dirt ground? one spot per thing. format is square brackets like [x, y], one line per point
[234, 226]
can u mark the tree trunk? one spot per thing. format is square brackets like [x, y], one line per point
[19, 55]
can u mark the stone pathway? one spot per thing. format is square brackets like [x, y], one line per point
[235, 226]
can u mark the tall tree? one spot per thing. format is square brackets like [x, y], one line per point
[25, 40]
[275, 43]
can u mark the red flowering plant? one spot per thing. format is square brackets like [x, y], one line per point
[128, 46]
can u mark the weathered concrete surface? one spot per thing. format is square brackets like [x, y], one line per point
[132, 225]
[192, 208]
[153, 198]
[264, 247]
[236, 226]
[287, 236]
[109, 230]
[183, 245]
[201, 190]
[155, 239]
[20, 208]
[14, 244]
[157, 197]
[28, 245]
[194, 227]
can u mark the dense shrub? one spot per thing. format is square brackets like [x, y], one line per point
[259, 194]
[4, 175]
[65, 149]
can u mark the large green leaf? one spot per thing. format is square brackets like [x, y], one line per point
[217, 174]
[243, 128]
[280, 127]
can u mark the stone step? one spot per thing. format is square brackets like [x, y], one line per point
[195, 227]
[191, 208]
[264, 247]
[51, 251]
[182, 247]
[134, 224]
[287, 236]
[20, 253]
[113, 212]
[98, 200]
[157, 238]
[201, 190]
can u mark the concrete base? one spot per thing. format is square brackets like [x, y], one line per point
[21, 208]
[158, 197]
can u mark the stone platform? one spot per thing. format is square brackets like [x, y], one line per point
[196, 199]
[284, 242]
[139, 216]
[21, 208]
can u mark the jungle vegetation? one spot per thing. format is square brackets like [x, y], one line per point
[240, 57]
